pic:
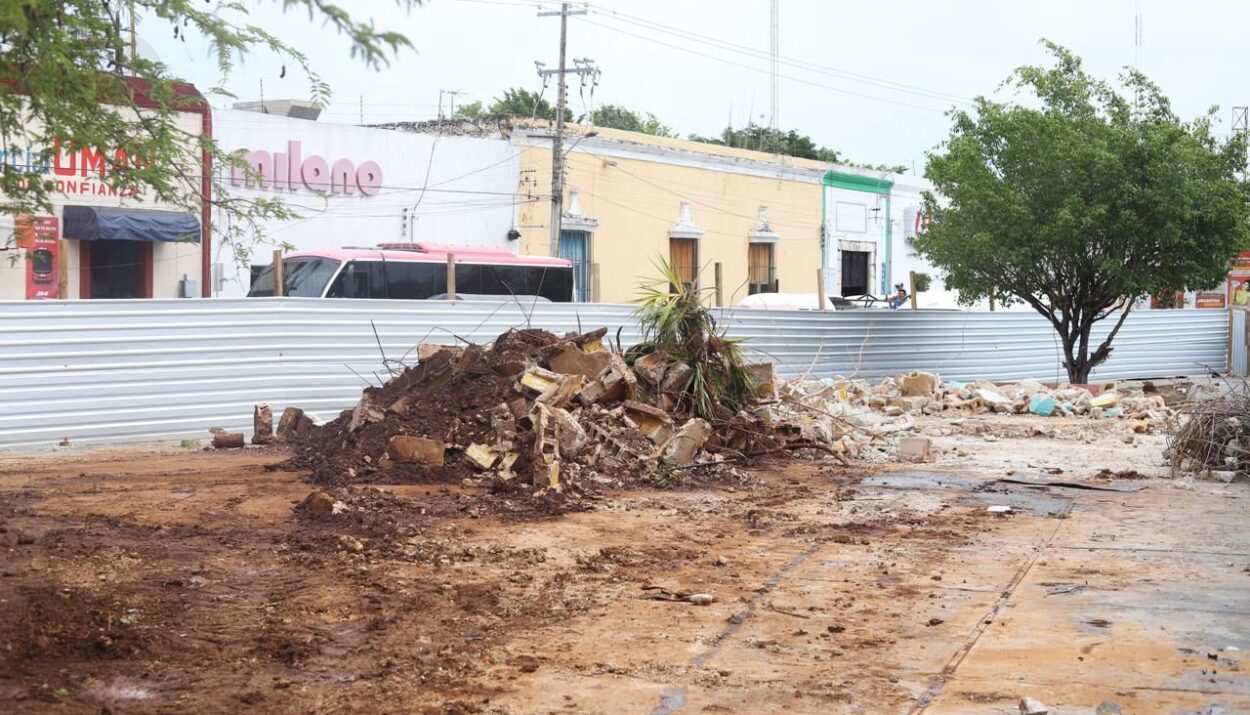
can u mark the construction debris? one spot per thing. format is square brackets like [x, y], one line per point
[1210, 435]
[262, 424]
[550, 414]
[228, 440]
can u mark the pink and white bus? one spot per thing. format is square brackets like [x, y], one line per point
[418, 271]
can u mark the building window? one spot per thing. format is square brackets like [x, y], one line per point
[761, 268]
[683, 256]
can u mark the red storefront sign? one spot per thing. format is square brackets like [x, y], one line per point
[40, 236]
[1210, 299]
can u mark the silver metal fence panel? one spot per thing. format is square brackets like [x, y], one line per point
[98, 371]
[1237, 345]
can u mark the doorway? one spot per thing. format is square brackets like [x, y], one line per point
[854, 272]
[575, 246]
[116, 269]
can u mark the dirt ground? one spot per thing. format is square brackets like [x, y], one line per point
[173, 580]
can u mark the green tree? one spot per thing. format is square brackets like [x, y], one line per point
[472, 110]
[614, 116]
[519, 102]
[69, 81]
[761, 138]
[1080, 200]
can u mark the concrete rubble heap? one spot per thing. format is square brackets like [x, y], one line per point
[537, 412]
[1211, 435]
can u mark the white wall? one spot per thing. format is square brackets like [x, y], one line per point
[469, 197]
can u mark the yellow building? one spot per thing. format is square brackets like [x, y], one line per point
[631, 198]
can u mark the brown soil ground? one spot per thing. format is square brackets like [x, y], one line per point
[179, 581]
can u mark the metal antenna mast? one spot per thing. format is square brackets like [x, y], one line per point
[774, 64]
[557, 141]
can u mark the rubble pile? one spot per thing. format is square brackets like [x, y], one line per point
[927, 393]
[540, 413]
[1210, 436]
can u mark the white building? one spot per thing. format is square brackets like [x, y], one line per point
[360, 186]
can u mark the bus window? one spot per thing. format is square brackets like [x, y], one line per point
[359, 279]
[409, 280]
[304, 277]
[552, 283]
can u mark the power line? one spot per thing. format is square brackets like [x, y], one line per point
[759, 54]
[753, 68]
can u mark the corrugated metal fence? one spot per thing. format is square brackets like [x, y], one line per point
[1238, 343]
[112, 370]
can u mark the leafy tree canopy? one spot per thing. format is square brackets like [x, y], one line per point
[70, 82]
[519, 102]
[1082, 198]
[472, 110]
[614, 116]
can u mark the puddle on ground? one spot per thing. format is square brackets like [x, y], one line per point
[977, 489]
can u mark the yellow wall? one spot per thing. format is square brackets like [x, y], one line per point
[637, 201]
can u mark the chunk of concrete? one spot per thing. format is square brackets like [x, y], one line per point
[365, 412]
[651, 421]
[651, 367]
[764, 379]
[293, 424]
[913, 403]
[415, 450]
[676, 378]
[569, 433]
[262, 424]
[1032, 706]
[572, 360]
[684, 445]
[915, 449]
[919, 384]
[481, 456]
[425, 351]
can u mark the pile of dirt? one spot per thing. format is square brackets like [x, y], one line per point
[533, 414]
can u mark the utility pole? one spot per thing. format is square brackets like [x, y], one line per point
[451, 112]
[557, 142]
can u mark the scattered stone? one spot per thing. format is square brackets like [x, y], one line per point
[701, 599]
[293, 424]
[481, 456]
[350, 544]
[425, 351]
[1031, 706]
[572, 360]
[720, 561]
[915, 449]
[319, 502]
[1139, 426]
[919, 384]
[935, 622]
[1108, 707]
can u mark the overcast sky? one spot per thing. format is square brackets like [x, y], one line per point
[870, 79]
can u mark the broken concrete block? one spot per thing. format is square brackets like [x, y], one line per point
[364, 413]
[913, 403]
[1139, 426]
[684, 445]
[572, 360]
[425, 351]
[915, 449]
[764, 378]
[546, 452]
[228, 440]
[569, 433]
[993, 398]
[1108, 707]
[554, 389]
[293, 423]
[1031, 706]
[676, 378]
[919, 384]
[503, 423]
[893, 411]
[539, 380]
[481, 456]
[1105, 400]
[262, 424]
[651, 421]
[651, 367]
[415, 450]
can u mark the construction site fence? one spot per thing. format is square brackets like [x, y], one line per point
[102, 371]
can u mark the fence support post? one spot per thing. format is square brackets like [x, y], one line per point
[279, 279]
[451, 277]
[720, 295]
[820, 288]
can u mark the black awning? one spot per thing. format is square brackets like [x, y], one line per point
[98, 223]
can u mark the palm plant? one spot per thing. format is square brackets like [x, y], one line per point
[675, 322]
